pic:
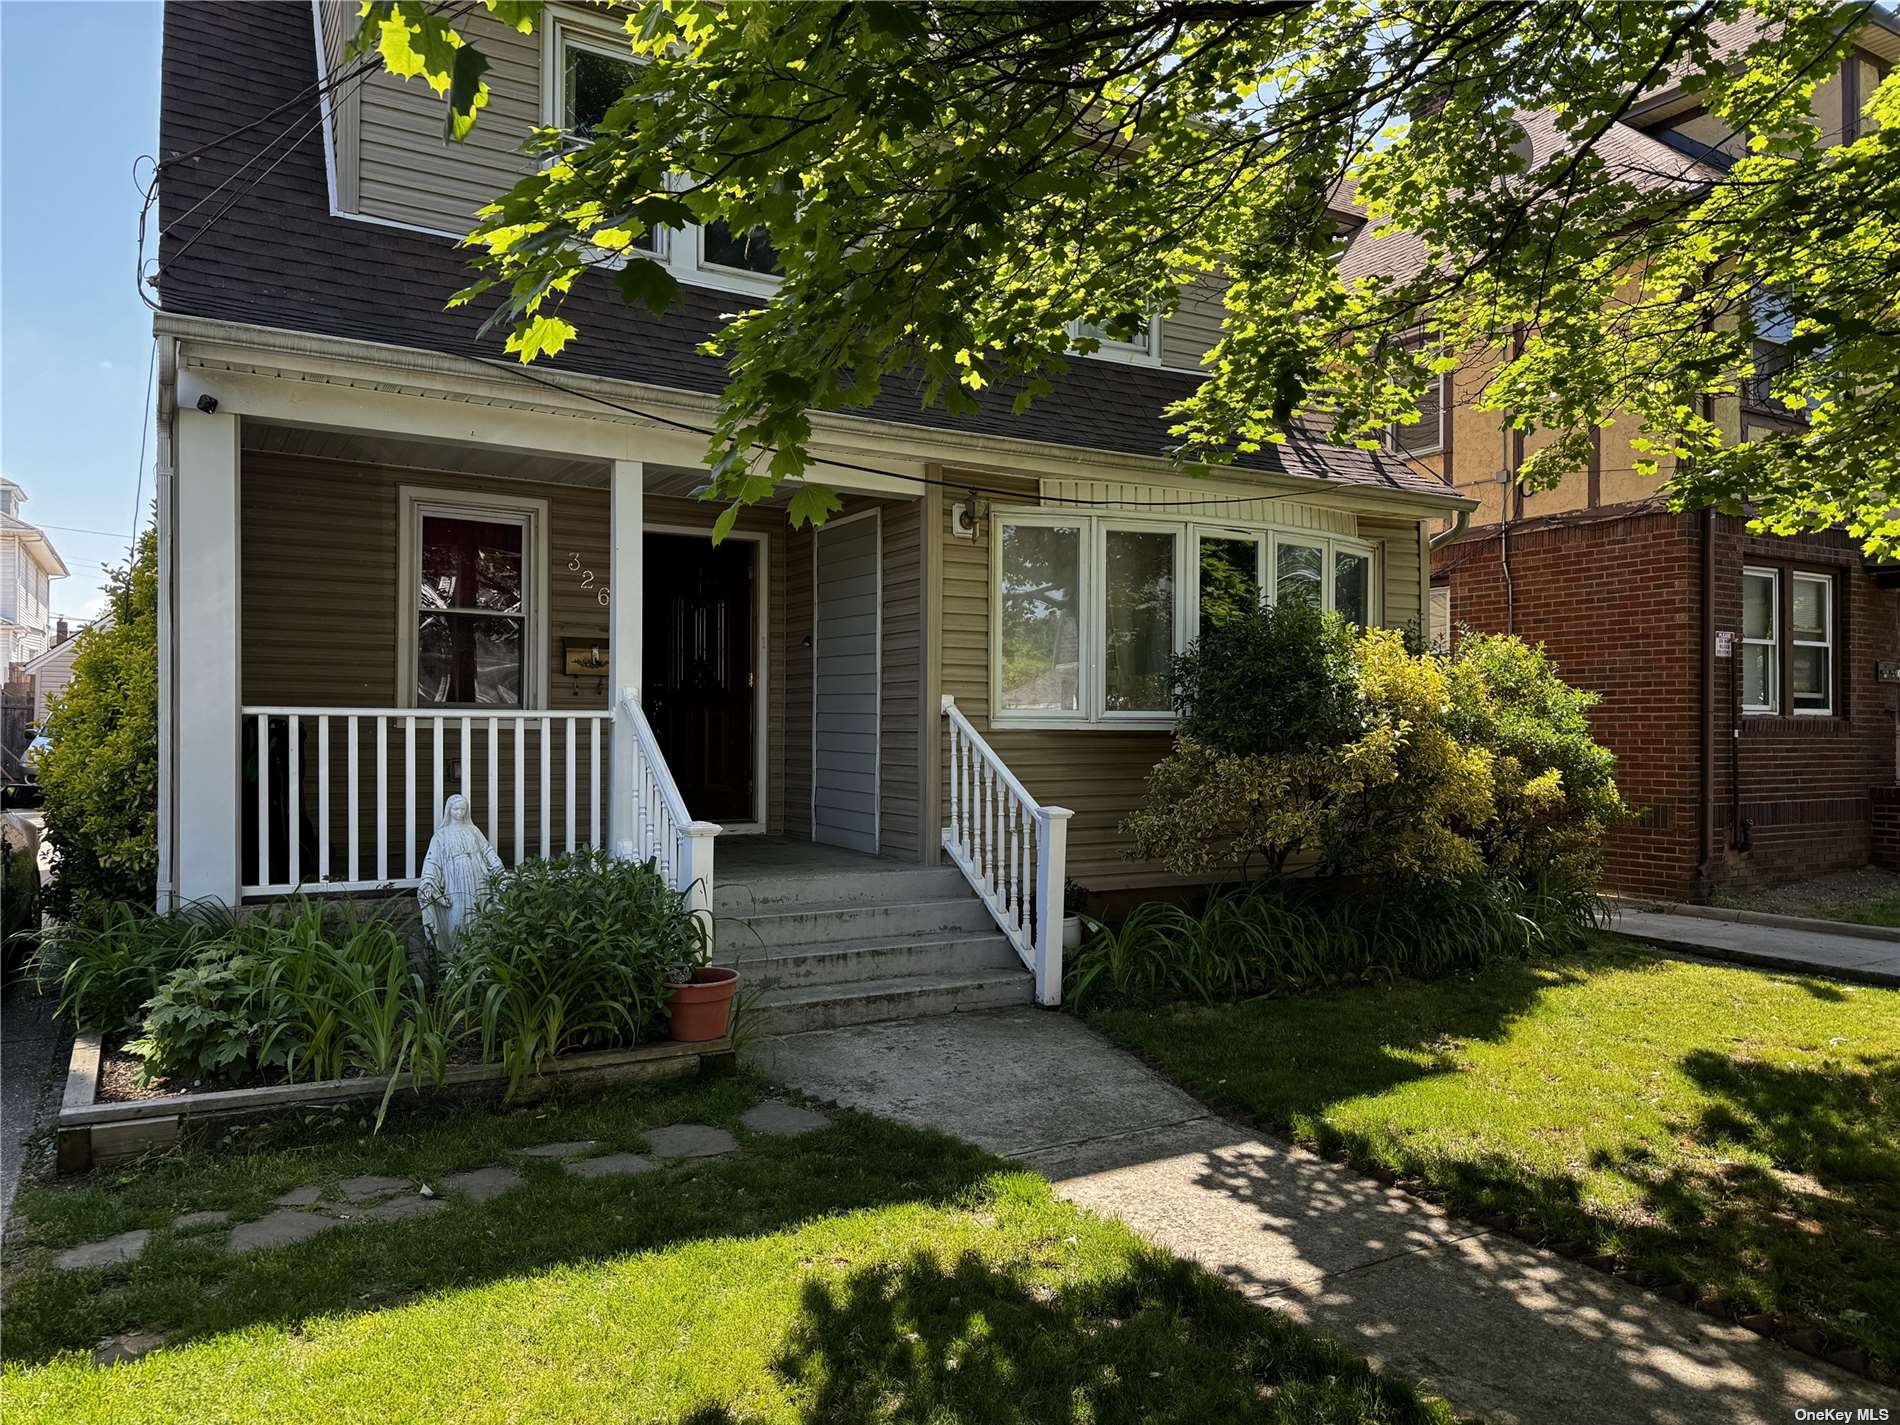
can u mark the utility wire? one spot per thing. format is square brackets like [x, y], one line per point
[973, 487]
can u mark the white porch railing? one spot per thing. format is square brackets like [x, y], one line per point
[345, 799]
[657, 826]
[1011, 848]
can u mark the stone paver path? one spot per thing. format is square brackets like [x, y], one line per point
[613, 1165]
[1838, 953]
[309, 1211]
[1502, 1330]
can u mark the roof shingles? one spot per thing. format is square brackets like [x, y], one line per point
[279, 258]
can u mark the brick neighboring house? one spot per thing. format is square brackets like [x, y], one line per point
[1749, 684]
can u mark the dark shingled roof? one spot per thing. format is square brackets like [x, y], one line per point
[280, 259]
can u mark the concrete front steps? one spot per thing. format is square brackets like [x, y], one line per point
[825, 948]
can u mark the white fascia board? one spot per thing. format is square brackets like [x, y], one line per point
[221, 351]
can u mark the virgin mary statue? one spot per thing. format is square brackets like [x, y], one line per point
[455, 875]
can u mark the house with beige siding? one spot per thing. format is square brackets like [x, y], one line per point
[395, 566]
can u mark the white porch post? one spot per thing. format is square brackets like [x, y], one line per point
[623, 637]
[206, 689]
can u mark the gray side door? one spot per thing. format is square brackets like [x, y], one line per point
[845, 683]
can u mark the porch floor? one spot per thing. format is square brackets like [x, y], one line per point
[738, 860]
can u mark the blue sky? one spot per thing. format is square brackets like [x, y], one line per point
[78, 103]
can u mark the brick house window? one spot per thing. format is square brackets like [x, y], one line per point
[1789, 624]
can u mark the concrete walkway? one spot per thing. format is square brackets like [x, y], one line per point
[1761, 941]
[30, 1042]
[1501, 1330]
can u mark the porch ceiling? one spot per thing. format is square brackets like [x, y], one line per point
[387, 451]
[362, 448]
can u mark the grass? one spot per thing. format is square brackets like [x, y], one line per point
[1717, 1130]
[1874, 910]
[864, 1272]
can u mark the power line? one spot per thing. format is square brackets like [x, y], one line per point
[927, 480]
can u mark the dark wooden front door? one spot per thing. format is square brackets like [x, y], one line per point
[700, 671]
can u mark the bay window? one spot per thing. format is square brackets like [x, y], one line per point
[1139, 618]
[1090, 610]
[1039, 637]
[1228, 571]
[1299, 572]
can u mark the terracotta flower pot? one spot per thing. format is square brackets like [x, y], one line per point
[702, 1006]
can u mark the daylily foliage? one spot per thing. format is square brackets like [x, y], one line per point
[952, 187]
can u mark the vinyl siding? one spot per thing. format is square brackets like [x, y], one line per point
[406, 173]
[1398, 559]
[847, 698]
[1191, 332]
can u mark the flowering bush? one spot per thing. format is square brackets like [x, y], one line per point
[1355, 755]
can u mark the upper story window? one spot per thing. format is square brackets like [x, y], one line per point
[1138, 346]
[749, 251]
[1789, 637]
[587, 78]
[1426, 435]
[1091, 609]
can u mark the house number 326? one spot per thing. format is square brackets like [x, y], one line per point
[601, 592]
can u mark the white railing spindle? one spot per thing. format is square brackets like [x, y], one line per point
[664, 832]
[1011, 848]
[280, 807]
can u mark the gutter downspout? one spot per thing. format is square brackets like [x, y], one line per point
[1460, 523]
[1705, 831]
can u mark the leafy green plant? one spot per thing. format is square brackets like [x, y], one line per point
[1270, 680]
[1285, 938]
[107, 963]
[100, 776]
[200, 1023]
[567, 954]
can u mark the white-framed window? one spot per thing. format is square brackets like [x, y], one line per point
[1229, 574]
[1142, 347]
[1811, 643]
[1761, 640]
[472, 605]
[1041, 575]
[1138, 590]
[1089, 610]
[588, 68]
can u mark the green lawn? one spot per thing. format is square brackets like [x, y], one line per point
[1874, 910]
[864, 1272]
[1717, 1129]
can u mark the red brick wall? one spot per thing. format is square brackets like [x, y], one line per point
[1616, 598]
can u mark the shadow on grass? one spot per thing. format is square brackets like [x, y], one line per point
[913, 1339]
[189, 1285]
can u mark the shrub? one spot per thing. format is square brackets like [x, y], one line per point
[1271, 680]
[100, 776]
[1296, 936]
[568, 954]
[1419, 767]
[1554, 785]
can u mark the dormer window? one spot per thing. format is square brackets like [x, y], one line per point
[1137, 345]
[589, 76]
[750, 251]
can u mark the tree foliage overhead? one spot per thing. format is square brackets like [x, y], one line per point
[952, 187]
